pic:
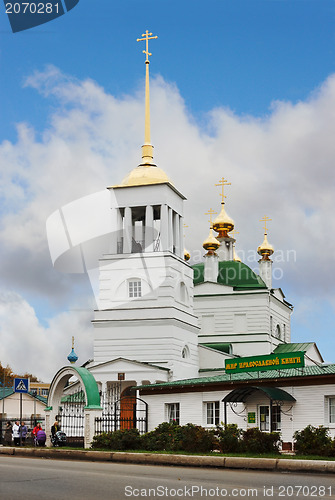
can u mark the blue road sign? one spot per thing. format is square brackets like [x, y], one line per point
[21, 385]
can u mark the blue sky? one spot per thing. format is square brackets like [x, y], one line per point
[238, 73]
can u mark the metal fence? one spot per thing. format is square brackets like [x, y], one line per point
[71, 418]
[29, 422]
[126, 413]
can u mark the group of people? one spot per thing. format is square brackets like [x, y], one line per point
[18, 434]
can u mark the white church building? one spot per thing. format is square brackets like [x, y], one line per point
[204, 343]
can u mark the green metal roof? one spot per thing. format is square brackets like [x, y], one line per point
[273, 393]
[231, 273]
[5, 392]
[91, 387]
[219, 346]
[9, 391]
[302, 346]
[306, 371]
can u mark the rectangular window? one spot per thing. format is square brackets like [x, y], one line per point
[332, 410]
[276, 418]
[134, 289]
[264, 418]
[172, 412]
[213, 413]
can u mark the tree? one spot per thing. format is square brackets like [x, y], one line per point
[7, 376]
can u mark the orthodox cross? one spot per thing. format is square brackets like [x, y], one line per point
[265, 220]
[233, 232]
[185, 226]
[146, 37]
[210, 213]
[223, 182]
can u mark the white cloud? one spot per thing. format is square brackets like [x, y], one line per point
[280, 165]
[27, 346]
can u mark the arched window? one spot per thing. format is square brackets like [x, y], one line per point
[278, 332]
[185, 353]
[183, 295]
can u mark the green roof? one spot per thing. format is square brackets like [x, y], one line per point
[231, 273]
[306, 371]
[302, 346]
[242, 393]
[223, 347]
[9, 391]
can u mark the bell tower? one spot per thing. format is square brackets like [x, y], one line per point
[146, 287]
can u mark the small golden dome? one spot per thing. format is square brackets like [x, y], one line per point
[265, 249]
[223, 224]
[211, 243]
[187, 255]
[235, 256]
[144, 175]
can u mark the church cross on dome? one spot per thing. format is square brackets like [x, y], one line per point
[147, 148]
[146, 37]
[210, 212]
[223, 182]
[265, 220]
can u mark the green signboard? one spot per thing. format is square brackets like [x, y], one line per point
[251, 417]
[270, 362]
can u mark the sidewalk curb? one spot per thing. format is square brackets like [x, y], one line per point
[269, 464]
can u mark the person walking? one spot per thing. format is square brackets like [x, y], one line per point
[23, 432]
[7, 438]
[16, 433]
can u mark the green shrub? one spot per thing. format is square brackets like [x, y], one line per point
[256, 441]
[195, 438]
[229, 438]
[166, 437]
[125, 439]
[314, 441]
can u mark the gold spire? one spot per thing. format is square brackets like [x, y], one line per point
[223, 224]
[147, 148]
[147, 172]
[187, 255]
[211, 243]
[235, 256]
[265, 249]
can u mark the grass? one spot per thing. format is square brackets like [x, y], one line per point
[217, 454]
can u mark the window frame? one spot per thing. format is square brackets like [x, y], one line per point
[331, 410]
[173, 412]
[134, 288]
[212, 412]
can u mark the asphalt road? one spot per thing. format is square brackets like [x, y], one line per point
[31, 479]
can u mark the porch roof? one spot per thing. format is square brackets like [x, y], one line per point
[273, 393]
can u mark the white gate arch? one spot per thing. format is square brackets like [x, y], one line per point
[92, 408]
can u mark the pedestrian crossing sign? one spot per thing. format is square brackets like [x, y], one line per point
[21, 385]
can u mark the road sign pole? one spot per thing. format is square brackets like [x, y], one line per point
[20, 426]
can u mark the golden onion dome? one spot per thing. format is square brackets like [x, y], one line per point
[235, 256]
[187, 255]
[211, 243]
[144, 175]
[223, 224]
[265, 249]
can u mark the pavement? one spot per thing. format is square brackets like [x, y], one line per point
[270, 464]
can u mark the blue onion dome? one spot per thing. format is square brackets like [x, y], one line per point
[72, 357]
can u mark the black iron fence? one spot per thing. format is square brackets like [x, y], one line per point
[30, 424]
[126, 413]
[72, 419]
